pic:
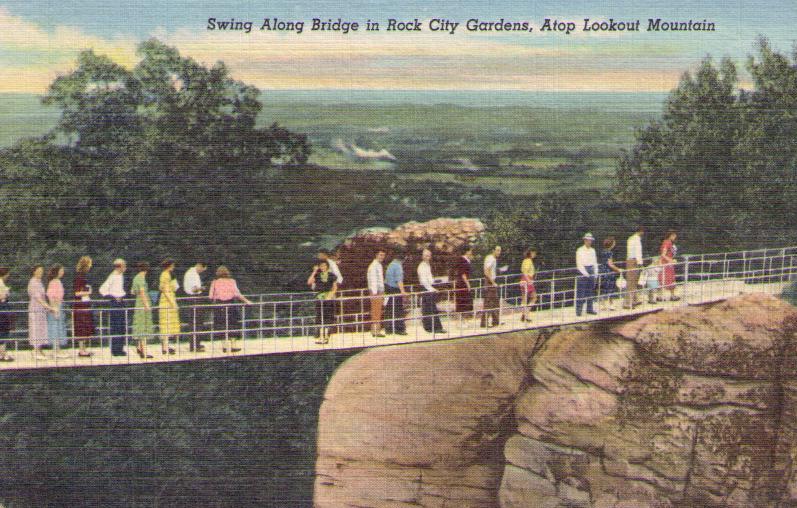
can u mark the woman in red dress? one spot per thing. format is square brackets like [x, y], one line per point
[463, 296]
[668, 252]
[82, 319]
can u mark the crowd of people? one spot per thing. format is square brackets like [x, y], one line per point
[599, 279]
[47, 317]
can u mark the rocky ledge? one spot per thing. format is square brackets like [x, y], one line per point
[693, 407]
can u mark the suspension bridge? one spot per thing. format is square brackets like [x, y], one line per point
[278, 323]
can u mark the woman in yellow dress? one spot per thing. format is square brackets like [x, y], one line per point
[527, 289]
[168, 314]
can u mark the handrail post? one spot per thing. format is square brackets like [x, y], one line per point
[243, 328]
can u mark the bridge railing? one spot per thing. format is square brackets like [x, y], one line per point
[290, 323]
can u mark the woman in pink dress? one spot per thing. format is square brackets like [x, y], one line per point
[226, 314]
[37, 313]
[668, 252]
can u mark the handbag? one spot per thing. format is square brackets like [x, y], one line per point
[621, 282]
[154, 297]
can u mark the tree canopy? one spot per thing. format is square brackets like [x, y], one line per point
[721, 156]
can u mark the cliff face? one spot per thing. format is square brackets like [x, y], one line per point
[687, 408]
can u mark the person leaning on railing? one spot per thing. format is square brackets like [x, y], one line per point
[226, 316]
[6, 315]
[325, 283]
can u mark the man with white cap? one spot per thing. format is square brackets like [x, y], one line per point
[114, 289]
[587, 265]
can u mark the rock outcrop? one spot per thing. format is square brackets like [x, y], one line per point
[444, 237]
[693, 407]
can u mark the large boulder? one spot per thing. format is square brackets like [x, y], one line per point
[443, 236]
[692, 407]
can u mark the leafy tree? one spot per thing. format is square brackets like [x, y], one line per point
[169, 108]
[721, 159]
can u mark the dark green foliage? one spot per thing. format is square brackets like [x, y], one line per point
[721, 158]
[216, 433]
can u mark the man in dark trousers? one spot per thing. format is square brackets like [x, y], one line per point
[394, 288]
[492, 302]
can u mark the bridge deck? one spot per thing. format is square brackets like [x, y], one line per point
[455, 326]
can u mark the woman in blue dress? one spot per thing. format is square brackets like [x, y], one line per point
[607, 272]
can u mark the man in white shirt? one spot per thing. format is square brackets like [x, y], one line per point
[192, 280]
[587, 265]
[633, 264]
[192, 286]
[431, 321]
[114, 289]
[376, 290]
[325, 255]
[492, 303]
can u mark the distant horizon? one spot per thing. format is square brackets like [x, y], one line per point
[642, 101]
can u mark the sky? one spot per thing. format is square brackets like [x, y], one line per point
[40, 39]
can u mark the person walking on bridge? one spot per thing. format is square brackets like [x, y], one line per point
[492, 302]
[326, 255]
[56, 320]
[143, 328]
[634, 262]
[527, 288]
[376, 290]
[114, 290]
[193, 287]
[463, 298]
[168, 311]
[37, 313]
[82, 318]
[667, 255]
[587, 265]
[394, 287]
[325, 284]
[6, 315]
[227, 316]
[431, 320]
